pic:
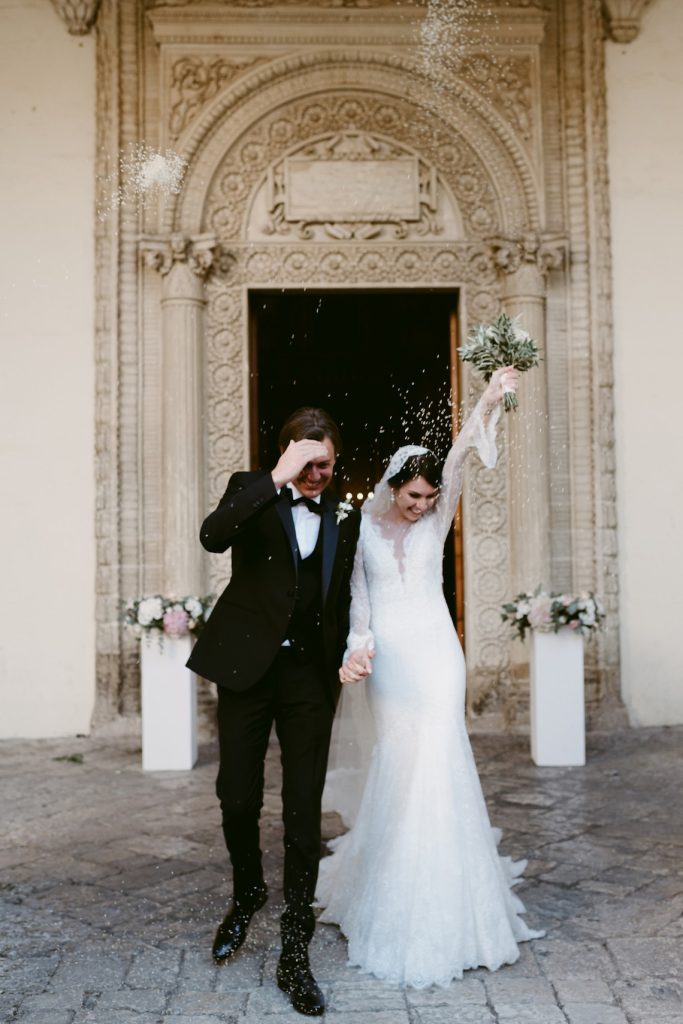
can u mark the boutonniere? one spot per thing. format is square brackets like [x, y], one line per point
[342, 510]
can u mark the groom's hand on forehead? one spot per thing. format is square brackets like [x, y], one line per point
[307, 462]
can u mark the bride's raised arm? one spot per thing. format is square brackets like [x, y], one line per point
[478, 431]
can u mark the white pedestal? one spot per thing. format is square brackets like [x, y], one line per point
[169, 705]
[558, 726]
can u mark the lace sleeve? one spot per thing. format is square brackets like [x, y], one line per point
[478, 431]
[360, 635]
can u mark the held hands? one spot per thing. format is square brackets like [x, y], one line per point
[505, 379]
[293, 459]
[357, 666]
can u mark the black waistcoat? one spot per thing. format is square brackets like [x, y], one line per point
[304, 631]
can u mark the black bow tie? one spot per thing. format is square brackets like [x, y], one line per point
[312, 506]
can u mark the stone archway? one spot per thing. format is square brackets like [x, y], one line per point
[455, 240]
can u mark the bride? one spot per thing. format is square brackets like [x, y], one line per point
[417, 885]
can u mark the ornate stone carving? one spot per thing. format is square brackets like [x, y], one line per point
[507, 83]
[544, 252]
[622, 18]
[196, 80]
[335, 118]
[79, 16]
[199, 253]
[391, 193]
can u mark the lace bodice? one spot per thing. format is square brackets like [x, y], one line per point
[400, 563]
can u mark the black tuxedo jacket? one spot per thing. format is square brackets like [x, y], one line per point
[249, 622]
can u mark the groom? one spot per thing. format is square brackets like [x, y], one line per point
[274, 644]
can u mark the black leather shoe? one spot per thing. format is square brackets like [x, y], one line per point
[294, 977]
[232, 931]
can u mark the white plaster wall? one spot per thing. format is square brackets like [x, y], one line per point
[47, 597]
[645, 103]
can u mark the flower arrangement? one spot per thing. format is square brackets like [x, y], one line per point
[550, 612]
[169, 616]
[502, 343]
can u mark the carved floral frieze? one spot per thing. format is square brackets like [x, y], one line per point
[194, 81]
[508, 85]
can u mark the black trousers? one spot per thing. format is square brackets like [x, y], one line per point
[293, 695]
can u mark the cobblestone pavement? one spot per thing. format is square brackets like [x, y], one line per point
[113, 882]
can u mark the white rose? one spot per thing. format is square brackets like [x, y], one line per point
[150, 609]
[523, 608]
[194, 607]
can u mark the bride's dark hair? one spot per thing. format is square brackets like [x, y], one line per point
[426, 466]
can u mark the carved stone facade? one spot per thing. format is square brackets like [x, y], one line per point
[498, 193]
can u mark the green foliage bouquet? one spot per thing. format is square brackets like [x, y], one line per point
[502, 343]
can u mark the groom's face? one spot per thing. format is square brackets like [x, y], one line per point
[316, 475]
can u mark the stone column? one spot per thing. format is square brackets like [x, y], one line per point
[525, 265]
[183, 264]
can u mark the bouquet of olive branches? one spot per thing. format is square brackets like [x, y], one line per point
[502, 343]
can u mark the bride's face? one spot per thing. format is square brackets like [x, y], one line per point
[414, 498]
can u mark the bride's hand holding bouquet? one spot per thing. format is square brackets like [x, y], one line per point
[501, 345]
[501, 388]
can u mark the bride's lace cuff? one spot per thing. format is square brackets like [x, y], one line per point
[359, 642]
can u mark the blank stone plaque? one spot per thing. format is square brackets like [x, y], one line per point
[352, 190]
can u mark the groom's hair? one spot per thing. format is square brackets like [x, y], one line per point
[309, 423]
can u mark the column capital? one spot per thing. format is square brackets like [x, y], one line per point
[544, 252]
[79, 16]
[199, 253]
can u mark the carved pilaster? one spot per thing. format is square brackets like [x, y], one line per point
[183, 264]
[622, 18]
[524, 263]
[79, 16]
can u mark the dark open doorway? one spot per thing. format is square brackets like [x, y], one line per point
[381, 362]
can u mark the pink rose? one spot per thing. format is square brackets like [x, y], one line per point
[176, 622]
[539, 614]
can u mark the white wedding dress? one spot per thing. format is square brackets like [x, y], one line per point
[417, 885]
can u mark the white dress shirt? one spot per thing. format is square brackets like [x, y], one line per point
[306, 527]
[306, 524]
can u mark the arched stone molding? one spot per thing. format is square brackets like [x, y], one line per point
[506, 164]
